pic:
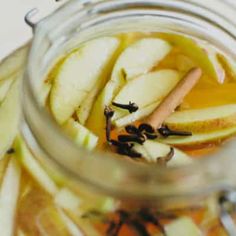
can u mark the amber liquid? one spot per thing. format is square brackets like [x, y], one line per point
[207, 93]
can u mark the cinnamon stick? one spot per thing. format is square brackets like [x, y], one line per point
[174, 98]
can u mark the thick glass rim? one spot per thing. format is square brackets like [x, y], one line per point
[145, 181]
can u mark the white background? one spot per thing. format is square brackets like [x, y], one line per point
[13, 30]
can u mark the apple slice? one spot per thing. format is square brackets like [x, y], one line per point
[33, 167]
[87, 227]
[184, 63]
[151, 150]
[229, 64]
[3, 165]
[71, 226]
[10, 112]
[146, 89]
[203, 120]
[81, 135]
[201, 139]
[67, 200]
[85, 108]
[200, 52]
[78, 75]
[20, 233]
[183, 226]
[44, 93]
[9, 193]
[140, 114]
[139, 58]
[49, 222]
[13, 63]
[4, 88]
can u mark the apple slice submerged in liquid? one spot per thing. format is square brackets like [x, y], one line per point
[183, 226]
[203, 120]
[137, 59]
[200, 52]
[152, 150]
[138, 115]
[13, 63]
[9, 192]
[146, 90]
[201, 139]
[9, 117]
[33, 167]
[4, 88]
[81, 135]
[78, 75]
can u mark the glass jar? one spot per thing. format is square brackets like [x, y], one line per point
[100, 181]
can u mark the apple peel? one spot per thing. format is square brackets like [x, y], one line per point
[203, 120]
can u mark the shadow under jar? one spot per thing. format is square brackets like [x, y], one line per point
[100, 194]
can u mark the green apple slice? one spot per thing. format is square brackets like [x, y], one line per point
[33, 167]
[139, 58]
[44, 92]
[13, 63]
[146, 90]
[183, 226]
[203, 120]
[86, 226]
[151, 150]
[4, 88]
[3, 165]
[9, 193]
[229, 64]
[85, 108]
[78, 75]
[91, 141]
[20, 233]
[200, 52]
[138, 115]
[9, 117]
[201, 138]
[81, 135]
[67, 200]
[71, 226]
[50, 222]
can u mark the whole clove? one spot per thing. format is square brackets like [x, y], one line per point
[114, 228]
[10, 151]
[139, 228]
[121, 144]
[150, 136]
[147, 216]
[164, 160]
[146, 128]
[131, 129]
[129, 152]
[131, 107]
[132, 138]
[109, 113]
[166, 132]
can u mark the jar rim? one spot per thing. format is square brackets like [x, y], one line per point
[167, 182]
